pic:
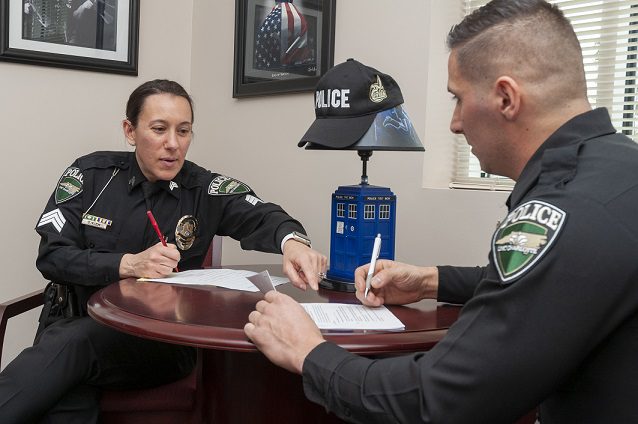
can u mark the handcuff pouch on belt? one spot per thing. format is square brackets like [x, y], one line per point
[60, 301]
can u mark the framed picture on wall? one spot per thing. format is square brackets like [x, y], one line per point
[92, 35]
[282, 46]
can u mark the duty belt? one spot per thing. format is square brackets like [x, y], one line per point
[62, 300]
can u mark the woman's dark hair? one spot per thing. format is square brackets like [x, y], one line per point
[159, 86]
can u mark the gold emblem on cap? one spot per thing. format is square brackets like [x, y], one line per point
[377, 92]
[185, 232]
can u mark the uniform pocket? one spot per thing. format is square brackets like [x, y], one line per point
[100, 240]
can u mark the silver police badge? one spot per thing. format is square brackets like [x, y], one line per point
[185, 232]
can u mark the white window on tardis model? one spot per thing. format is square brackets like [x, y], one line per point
[368, 212]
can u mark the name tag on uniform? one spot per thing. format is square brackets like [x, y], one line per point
[96, 221]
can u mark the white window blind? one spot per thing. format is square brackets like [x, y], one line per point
[608, 34]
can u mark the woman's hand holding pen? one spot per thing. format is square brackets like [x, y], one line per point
[156, 261]
[396, 283]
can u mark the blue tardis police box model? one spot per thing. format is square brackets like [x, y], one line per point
[359, 108]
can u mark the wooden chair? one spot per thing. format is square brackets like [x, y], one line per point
[176, 402]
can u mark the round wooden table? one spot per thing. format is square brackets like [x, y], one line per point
[240, 385]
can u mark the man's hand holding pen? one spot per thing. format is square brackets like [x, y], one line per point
[396, 283]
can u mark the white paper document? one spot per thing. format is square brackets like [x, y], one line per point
[344, 316]
[229, 278]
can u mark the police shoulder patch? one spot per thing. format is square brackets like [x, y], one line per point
[524, 237]
[69, 185]
[223, 186]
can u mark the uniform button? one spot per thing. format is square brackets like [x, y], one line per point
[91, 245]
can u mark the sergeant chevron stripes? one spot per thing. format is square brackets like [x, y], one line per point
[54, 217]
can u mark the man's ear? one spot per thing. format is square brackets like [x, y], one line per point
[508, 93]
[129, 132]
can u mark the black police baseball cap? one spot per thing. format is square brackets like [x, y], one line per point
[347, 100]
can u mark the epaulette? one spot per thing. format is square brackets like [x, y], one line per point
[104, 160]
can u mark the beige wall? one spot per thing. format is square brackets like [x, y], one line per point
[49, 116]
[254, 139]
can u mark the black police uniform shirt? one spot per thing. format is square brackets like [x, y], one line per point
[552, 320]
[97, 213]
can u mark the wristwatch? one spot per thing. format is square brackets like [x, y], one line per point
[301, 238]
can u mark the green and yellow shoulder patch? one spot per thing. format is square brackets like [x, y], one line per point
[524, 237]
[69, 185]
[223, 186]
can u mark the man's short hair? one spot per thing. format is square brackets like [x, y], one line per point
[528, 39]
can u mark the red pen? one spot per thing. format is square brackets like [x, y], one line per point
[157, 230]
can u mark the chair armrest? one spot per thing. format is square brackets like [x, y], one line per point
[213, 257]
[14, 307]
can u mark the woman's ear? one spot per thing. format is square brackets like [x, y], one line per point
[508, 93]
[129, 132]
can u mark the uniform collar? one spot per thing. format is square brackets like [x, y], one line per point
[561, 148]
[136, 177]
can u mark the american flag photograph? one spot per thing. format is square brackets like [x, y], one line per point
[282, 45]
[283, 40]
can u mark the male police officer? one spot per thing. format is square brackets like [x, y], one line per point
[553, 318]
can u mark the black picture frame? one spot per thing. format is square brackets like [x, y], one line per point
[93, 35]
[264, 67]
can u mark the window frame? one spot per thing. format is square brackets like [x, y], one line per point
[602, 56]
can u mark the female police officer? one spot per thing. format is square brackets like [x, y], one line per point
[95, 230]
